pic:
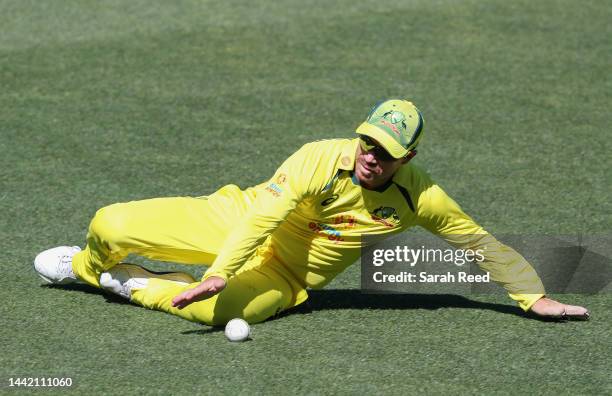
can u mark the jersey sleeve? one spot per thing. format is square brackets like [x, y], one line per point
[273, 203]
[441, 215]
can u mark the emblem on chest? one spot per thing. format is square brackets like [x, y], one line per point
[385, 215]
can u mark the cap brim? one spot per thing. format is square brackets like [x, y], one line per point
[396, 150]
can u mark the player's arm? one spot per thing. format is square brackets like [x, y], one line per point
[289, 185]
[441, 215]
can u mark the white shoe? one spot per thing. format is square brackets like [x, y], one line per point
[55, 265]
[123, 278]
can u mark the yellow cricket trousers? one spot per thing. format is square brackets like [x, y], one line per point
[190, 231]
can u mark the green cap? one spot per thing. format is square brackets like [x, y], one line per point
[396, 124]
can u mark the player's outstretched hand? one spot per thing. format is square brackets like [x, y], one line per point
[204, 290]
[549, 308]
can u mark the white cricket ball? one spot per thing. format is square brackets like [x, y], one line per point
[237, 330]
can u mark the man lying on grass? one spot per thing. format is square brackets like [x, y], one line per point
[267, 244]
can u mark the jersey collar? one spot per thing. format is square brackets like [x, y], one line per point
[347, 155]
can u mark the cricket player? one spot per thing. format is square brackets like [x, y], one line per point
[266, 245]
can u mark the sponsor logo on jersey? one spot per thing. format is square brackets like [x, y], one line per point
[386, 215]
[281, 178]
[274, 189]
[345, 221]
[329, 200]
[326, 230]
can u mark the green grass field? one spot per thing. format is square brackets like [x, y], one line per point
[102, 102]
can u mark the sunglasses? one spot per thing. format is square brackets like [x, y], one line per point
[368, 145]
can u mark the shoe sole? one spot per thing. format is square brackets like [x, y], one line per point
[43, 278]
[172, 276]
[65, 281]
[160, 274]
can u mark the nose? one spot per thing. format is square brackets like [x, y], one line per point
[370, 158]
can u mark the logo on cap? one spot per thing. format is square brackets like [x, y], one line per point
[396, 116]
[391, 119]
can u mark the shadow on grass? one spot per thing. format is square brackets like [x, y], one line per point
[331, 299]
[205, 330]
[84, 288]
[334, 299]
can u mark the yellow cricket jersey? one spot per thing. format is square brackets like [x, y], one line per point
[313, 213]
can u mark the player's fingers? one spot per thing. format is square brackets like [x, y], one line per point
[576, 312]
[190, 296]
[556, 312]
[182, 299]
[182, 303]
[553, 309]
[178, 301]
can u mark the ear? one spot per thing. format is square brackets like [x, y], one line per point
[409, 156]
